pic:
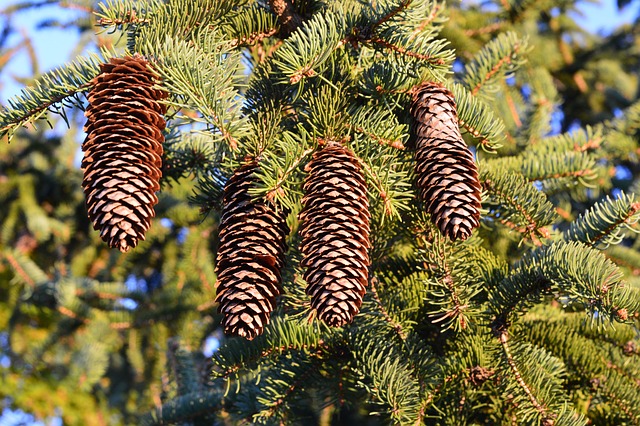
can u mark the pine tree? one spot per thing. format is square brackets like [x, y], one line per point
[311, 146]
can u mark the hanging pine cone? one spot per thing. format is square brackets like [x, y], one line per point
[447, 175]
[123, 150]
[250, 257]
[335, 234]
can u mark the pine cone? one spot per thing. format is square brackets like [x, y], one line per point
[250, 257]
[123, 151]
[447, 174]
[335, 234]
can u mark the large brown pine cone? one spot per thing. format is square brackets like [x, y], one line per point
[335, 234]
[447, 174]
[250, 257]
[123, 150]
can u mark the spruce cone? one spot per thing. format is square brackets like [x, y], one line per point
[447, 175]
[250, 257]
[335, 234]
[123, 151]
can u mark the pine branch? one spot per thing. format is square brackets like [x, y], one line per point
[499, 58]
[605, 223]
[478, 119]
[546, 416]
[305, 52]
[590, 361]
[390, 379]
[279, 336]
[183, 408]
[218, 105]
[572, 272]
[554, 172]
[528, 212]
[54, 91]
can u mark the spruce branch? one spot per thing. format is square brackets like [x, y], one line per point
[590, 360]
[282, 386]
[389, 181]
[125, 15]
[605, 222]
[452, 284]
[280, 336]
[434, 57]
[397, 144]
[554, 172]
[183, 408]
[389, 14]
[487, 29]
[53, 91]
[547, 417]
[499, 58]
[302, 55]
[542, 103]
[589, 140]
[389, 378]
[418, 18]
[380, 125]
[193, 87]
[527, 213]
[25, 269]
[279, 176]
[625, 257]
[572, 272]
[249, 26]
[396, 326]
[478, 119]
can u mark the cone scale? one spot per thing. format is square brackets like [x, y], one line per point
[250, 257]
[123, 151]
[446, 172]
[335, 234]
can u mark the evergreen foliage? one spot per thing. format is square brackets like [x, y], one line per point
[532, 319]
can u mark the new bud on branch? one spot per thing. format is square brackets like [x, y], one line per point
[447, 174]
[250, 257]
[335, 234]
[123, 150]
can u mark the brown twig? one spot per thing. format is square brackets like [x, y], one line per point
[494, 70]
[544, 413]
[397, 327]
[406, 52]
[488, 29]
